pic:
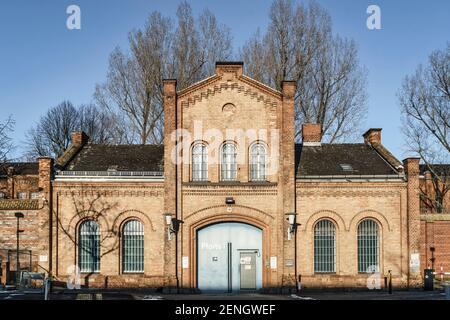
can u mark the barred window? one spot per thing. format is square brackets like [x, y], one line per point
[258, 162]
[35, 195]
[368, 246]
[325, 246]
[133, 247]
[22, 195]
[229, 165]
[200, 162]
[89, 247]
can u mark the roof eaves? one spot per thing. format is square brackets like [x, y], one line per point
[387, 156]
[68, 155]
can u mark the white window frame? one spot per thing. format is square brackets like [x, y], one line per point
[200, 162]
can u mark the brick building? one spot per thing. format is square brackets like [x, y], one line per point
[229, 201]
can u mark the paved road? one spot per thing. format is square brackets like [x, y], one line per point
[305, 295]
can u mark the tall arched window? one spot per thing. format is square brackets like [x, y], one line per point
[200, 162]
[325, 246]
[258, 162]
[133, 247]
[89, 246]
[368, 246]
[229, 165]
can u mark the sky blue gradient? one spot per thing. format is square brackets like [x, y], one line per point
[43, 63]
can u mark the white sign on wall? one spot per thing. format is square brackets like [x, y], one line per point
[414, 263]
[273, 262]
[43, 258]
[185, 262]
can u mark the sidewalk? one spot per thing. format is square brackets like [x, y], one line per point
[133, 294]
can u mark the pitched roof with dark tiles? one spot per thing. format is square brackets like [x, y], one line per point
[326, 160]
[20, 168]
[98, 157]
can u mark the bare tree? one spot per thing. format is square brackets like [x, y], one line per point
[299, 45]
[133, 88]
[425, 104]
[52, 134]
[6, 144]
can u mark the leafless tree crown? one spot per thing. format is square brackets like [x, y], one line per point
[6, 144]
[299, 45]
[185, 50]
[52, 134]
[425, 104]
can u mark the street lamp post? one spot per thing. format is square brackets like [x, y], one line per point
[18, 215]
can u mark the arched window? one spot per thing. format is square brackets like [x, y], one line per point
[325, 246]
[258, 162]
[2, 195]
[89, 247]
[368, 246]
[133, 247]
[200, 162]
[229, 165]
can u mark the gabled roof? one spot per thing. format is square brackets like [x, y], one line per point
[99, 157]
[356, 159]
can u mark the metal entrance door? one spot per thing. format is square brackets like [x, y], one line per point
[248, 270]
[220, 248]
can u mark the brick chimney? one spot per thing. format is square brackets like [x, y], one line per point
[79, 138]
[311, 134]
[372, 136]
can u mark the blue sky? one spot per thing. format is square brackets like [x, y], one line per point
[43, 63]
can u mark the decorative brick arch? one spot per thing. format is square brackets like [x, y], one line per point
[213, 210]
[325, 214]
[77, 219]
[127, 215]
[217, 214]
[369, 214]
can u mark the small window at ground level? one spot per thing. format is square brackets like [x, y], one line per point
[2, 195]
[35, 195]
[22, 195]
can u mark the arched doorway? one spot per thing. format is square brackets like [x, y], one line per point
[229, 257]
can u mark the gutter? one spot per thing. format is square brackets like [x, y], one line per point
[350, 178]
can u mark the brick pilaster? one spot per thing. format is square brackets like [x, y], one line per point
[287, 180]
[46, 212]
[170, 175]
[413, 209]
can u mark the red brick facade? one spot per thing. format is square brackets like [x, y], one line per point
[229, 99]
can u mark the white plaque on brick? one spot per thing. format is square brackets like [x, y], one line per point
[414, 263]
[273, 262]
[43, 258]
[185, 262]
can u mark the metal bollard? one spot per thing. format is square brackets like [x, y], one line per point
[47, 284]
[390, 282]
